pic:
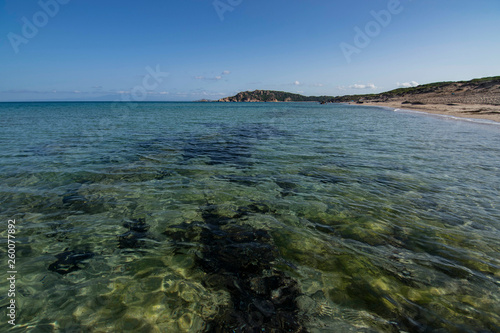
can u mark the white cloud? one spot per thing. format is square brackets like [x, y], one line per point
[204, 93]
[218, 77]
[226, 72]
[363, 86]
[156, 93]
[318, 85]
[297, 83]
[407, 84]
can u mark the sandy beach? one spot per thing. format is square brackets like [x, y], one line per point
[478, 99]
[478, 111]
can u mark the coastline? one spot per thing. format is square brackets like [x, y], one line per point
[475, 111]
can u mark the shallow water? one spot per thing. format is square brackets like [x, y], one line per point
[189, 217]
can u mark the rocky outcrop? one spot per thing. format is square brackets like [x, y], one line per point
[271, 96]
[252, 96]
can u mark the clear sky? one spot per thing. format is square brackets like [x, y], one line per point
[107, 49]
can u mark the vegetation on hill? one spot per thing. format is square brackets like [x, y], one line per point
[430, 90]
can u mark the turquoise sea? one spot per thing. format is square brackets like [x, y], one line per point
[249, 217]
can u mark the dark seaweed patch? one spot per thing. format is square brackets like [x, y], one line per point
[49, 149]
[287, 187]
[134, 237]
[219, 150]
[239, 259]
[255, 207]
[69, 261]
[322, 176]
[229, 145]
[241, 180]
[75, 201]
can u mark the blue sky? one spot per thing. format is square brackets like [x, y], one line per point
[107, 50]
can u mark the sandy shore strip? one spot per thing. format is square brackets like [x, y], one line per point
[476, 111]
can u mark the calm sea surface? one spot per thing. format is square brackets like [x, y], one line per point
[289, 217]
